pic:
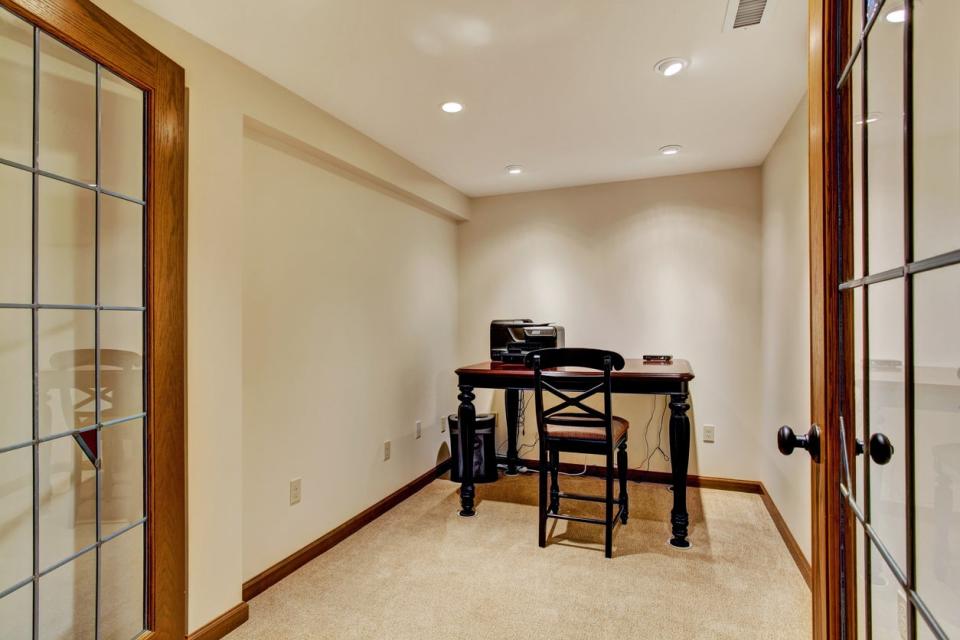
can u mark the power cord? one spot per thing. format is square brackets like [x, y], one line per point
[579, 473]
[658, 448]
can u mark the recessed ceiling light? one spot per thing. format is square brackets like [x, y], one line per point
[670, 150]
[452, 107]
[871, 118]
[670, 66]
[514, 169]
[897, 16]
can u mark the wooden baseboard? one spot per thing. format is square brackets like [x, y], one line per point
[792, 546]
[659, 477]
[707, 482]
[223, 624]
[272, 575]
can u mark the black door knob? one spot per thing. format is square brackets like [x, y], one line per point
[881, 449]
[787, 441]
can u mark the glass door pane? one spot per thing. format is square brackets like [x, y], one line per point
[886, 382]
[937, 424]
[121, 136]
[16, 514]
[936, 128]
[15, 241]
[67, 111]
[16, 99]
[884, 158]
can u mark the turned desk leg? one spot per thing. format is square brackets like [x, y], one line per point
[511, 400]
[679, 459]
[466, 418]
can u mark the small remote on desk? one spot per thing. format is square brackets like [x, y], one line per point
[658, 358]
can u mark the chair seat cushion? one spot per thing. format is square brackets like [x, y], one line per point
[578, 426]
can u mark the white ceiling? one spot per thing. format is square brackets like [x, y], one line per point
[564, 87]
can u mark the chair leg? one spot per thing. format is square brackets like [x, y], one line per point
[608, 526]
[542, 524]
[554, 480]
[622, 469]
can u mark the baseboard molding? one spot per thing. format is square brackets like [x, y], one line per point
[659, 477]
[707, 482]
[792, 546]
[223, 624]
[274, 574]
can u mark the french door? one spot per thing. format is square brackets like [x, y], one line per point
[900, 475]
[91, 328]
[885, 318]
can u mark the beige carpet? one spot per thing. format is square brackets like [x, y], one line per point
[421, 571]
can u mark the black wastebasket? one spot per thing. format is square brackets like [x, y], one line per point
[484, 448]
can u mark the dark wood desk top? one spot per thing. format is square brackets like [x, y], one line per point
[636, 377]
[635, 368]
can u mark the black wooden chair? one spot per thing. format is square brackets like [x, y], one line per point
[584, 430]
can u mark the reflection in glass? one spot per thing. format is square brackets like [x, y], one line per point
[66, 370]
[937, 436]
[16, 221]
[68, 600]
[860, 124]
[884, 162]
[886, 352]
[121, 586]
[68, 508]
[67, 243]
[862, 542]
[121, 476]
[16, 385]
[121, 136]
[121, 252]
[859, 422]
[16, 613]
[16, 99]
[68, 112]
[859, 462]
[16, 514]
[936, 127]
[121, 361]
[888, 602]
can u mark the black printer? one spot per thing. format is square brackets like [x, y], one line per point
[512, 340]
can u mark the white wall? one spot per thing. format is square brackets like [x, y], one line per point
[348, 339]
[785, 328]
[666, 265]
[222, 93]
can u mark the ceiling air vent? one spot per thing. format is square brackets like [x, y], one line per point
[746, 13]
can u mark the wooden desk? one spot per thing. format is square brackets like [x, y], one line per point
[636, 377]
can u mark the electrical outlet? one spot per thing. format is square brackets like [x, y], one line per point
[295, 491]
[419, 431]
[709, 433]
[386, 450]
[443, 424]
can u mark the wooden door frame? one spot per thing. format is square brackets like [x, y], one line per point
[89, 29]
[830, 170]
